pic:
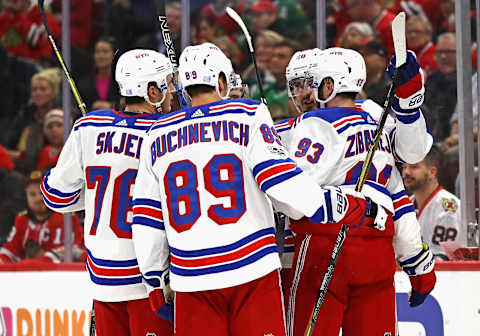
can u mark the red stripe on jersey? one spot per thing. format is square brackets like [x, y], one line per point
[274, 170]
[257, 245]
[146, 122]
[139, 210]
[221, 107]
[55, 199]
[94, 119]
[347, 120]
[112, 271]
[402, 202]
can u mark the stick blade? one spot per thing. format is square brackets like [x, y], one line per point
[235, 17]
[399, 41]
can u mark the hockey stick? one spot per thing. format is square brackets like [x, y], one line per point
[78, 98]
[398, 33]
[239, 21]
[169, 47]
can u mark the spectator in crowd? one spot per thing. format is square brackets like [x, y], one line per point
[53, 131]
[438, 211]
[98, 88]
[230, 49]
[22, 32]
[216, 11]
[39, 232]
[80, 21]
[133, 24]
[173, 11]
[378, 81]
[12, 198]
[441, 88]
[374, 13]
[419, 40]
[25, 135]
[207, 29]
[264, 43]
[263, 14]
[356, 35]
[276, 92]
[292, 19]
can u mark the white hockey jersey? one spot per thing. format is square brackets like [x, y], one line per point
[96, 171]
[403, 148]
[331, 144]
[201, 195]
[440, 220]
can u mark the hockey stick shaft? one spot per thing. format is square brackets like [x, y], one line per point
[235, 17]
[76, 94]
[398, 31]
[167, 37]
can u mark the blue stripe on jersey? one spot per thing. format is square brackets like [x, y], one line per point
[224, 248]
[347, 125]
[279, 179]
[402, 211]
[59, 206]
[114, 281]
[148, 202]
[265, 164]
[225, 267]
[415, 259]
[409, 118]
[141, 128]
[112, 263]
[142, 220]
[153, 278]
[399, 195]
[284, 125]
[205, 109]
[57, 192]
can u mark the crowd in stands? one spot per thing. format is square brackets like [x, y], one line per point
[30, 99]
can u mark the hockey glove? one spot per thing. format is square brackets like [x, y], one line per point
[348, 207]
[410, 91]
[420, 269]
[163, 309]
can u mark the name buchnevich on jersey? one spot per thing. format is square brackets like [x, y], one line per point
[359, 142]
[119, 143]
[203, 132]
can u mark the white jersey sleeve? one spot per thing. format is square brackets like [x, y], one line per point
[410, 138]
[63, 186]
[148, 229]
[277, 174]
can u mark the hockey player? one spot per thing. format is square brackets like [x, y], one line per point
[407, 126]
[330, 144]
[438, 211]
[96, 171]
[200, 203]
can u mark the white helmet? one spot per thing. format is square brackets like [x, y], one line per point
[345, 67]
[136, 68]
[203, 64]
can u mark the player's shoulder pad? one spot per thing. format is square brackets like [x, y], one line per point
[284, 125]
[449, 204]
[340, 118]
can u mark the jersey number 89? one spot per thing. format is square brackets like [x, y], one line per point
[223, 177]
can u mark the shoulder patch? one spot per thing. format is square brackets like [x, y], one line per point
[22, 213]
[449, 204]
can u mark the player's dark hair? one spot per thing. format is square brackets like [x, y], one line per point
[347, 95]
[137, 99]
[198, 89]
[434, 157]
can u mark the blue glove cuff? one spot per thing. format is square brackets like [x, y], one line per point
[166, 312]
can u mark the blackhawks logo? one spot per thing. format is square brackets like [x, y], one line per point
[449, 204]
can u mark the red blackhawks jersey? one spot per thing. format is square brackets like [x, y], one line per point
[49, 234]
[201, 208]
[96, 171]
[331, 144]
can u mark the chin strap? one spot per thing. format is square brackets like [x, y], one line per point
[157, 105]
